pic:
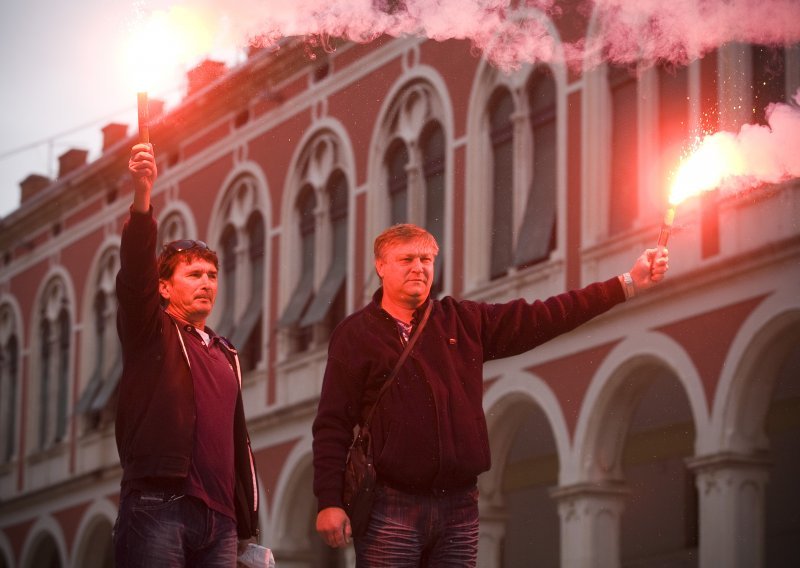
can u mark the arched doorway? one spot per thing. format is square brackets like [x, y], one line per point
[659, 522]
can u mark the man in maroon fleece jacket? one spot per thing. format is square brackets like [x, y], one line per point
[189, 494]
[429, 431]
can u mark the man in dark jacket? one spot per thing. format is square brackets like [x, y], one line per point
[189, 493]
[429, 431]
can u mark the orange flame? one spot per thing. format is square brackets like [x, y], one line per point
[716, 159]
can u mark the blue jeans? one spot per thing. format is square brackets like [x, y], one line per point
[160, 530]
[431, 530]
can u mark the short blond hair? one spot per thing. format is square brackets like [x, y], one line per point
[404, 233]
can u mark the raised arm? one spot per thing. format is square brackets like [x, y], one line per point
[137, 280]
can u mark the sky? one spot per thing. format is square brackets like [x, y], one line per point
[56, 77]
[66, 73]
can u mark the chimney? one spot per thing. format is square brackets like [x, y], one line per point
[70, 161]
[32, 185]
[205, 73]
[113, 133]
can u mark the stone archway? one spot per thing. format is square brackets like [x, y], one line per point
[95, 549]
[296, 543]
[747, 478]
[527, 433]
[44, 553]
[637, 428]
[659, 524]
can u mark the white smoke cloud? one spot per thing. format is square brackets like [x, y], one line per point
[625, 30]
[756, 155]
[620, 31]
[682, 30]
[768, 153]
[512, 33]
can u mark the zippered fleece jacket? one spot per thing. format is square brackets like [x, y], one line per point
[429, 431]
[156, 409]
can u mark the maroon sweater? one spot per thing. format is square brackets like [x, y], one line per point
[429, 431]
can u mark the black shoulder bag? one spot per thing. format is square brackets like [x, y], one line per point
[359, 473]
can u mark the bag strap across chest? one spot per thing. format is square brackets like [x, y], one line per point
[403, 356]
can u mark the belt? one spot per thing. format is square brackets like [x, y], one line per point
[434, 491]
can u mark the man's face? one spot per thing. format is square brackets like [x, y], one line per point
[191, 291]
[406, 270]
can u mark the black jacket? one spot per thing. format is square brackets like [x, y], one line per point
[430, 430]
[156, 412]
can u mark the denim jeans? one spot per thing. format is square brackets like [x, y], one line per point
[160, 530]
[431, 530]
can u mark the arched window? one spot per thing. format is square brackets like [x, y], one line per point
[519, 145]
[9, 383]
[415, 166]
[172, 228]
[241, 250]
[321, 218]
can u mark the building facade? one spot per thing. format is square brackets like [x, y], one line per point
[663, 433]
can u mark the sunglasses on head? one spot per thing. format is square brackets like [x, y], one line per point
[184, 244]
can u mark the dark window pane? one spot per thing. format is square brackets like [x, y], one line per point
[396, 162]
[709, 99]
[8, 372]
[673, 123]
[228, 280]
[433, 155]
[537, 234]
[65, 330]
[334, 282]
[502, 136]
[303, 293]
[247, 334]
[623, 204]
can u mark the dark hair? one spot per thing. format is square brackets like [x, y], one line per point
[403, 233]
[187, 251]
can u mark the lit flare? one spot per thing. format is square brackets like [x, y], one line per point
[164, 43]
[714, 160]
[159, 47]
[144, 117]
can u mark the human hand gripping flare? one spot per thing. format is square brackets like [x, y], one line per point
[648, 270]
[143, 170]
